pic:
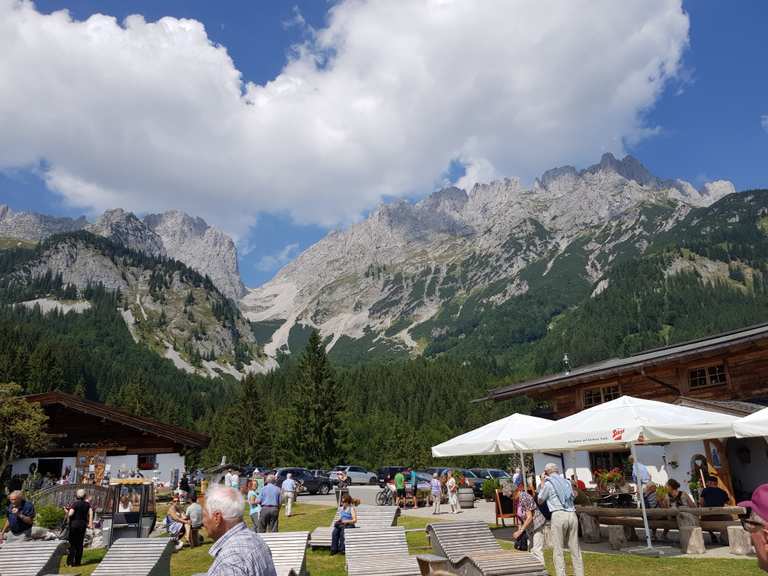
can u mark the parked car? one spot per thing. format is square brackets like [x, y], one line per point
[387, 473]
[356, 474]
[308, 481]
[472, 480]
[491, 473]
[319, 473]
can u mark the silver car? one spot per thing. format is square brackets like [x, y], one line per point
[356, 474]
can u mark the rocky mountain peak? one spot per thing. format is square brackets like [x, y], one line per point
[35, 227]
[629, 167]
[125, 228]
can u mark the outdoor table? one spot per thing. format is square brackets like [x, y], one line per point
[664, 518]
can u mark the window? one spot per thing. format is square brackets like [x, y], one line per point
[147, 461]
[595, 396]
[707, 376]
[611, 460]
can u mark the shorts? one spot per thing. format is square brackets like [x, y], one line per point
[401, 492]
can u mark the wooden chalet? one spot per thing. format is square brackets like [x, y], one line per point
[87, 436]
[727, 367]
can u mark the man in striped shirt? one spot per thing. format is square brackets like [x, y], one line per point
[237, 551]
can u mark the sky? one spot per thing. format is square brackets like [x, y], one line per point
[277, 122]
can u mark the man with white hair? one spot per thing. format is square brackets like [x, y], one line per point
[80, 518]
[19, 518]
[270, 506]
[289, 493]
[237, 551]
[557, 492]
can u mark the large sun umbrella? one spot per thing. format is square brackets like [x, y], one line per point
[628, 421]
[490, 438]
[753, 425]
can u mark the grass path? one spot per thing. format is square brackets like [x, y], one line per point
[320, 563]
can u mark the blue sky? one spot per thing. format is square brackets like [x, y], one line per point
[702, 123]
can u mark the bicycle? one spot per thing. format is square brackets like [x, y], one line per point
[385, 497]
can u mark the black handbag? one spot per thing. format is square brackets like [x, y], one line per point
[522, 542]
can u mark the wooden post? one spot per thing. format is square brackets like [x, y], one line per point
[739, 541]
[590, 528]
[691, 540]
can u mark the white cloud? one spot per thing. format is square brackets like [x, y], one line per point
[764, 122]
[151, 116]
[271, 262]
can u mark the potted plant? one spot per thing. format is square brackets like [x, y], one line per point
[466, 494]
[490, 485]
[695, 487]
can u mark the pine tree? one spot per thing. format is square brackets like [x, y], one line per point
[317, 409]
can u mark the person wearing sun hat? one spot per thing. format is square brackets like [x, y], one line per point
[756, 523]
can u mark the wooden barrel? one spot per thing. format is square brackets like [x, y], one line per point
[466, 498]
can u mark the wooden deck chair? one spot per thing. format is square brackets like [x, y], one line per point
[505, 509]
[137, 557]
[368, 517]
[32, 557]
[473, 551]
[289, 552]
[379, 551]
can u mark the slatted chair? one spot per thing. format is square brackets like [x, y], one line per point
[289, 552]
[473, 551]
[137, 557]
[379, 551]
[368, 517]
[32, 558]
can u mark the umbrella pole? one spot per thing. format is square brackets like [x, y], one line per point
[523, 471]
[641, 497]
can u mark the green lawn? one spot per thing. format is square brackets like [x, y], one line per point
[320, 563]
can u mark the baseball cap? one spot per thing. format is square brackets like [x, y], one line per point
[759, 501]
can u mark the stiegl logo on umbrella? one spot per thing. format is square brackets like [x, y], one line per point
[617, 434]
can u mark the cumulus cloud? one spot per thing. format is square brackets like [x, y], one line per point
[271, 262]
[152, 115]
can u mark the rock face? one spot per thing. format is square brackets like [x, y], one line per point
[173, 234]
[199, 246]
[35, 227]
[381, 282]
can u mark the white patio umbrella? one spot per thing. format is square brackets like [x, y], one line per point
[627, 421]
[490, 438]
[753, 425]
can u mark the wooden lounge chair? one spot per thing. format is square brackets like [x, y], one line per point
[32, 558]
[289, 552]
[379, 551]
[368, 517]
[137, 557]
[473, 551]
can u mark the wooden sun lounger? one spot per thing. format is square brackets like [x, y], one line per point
[32, 558]
[289, 552]
[137, 557]
[368, 518]
[379, 551]
[473, 551]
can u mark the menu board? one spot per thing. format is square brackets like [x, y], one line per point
[91, 466]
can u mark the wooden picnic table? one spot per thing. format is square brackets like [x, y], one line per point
[659, 512]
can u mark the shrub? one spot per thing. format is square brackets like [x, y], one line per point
[50, 517]
[490, 485]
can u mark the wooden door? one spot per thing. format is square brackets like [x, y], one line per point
[717, 460]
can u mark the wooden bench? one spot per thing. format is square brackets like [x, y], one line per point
[473, 551]
[368, 518]
[379, 551]
[32, 557]
[289, 552]
[137, 557]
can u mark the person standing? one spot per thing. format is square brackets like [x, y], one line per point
[714, 497]
[557, 493]
[194, 516]
[289, 493]
[19, 518]
[756, 523]
[532, 522]
[234, 480]
[414, 486]
[80, 517]
[254, 494]
[228, 477]
[347, 519]
[517, 478]
[400, 487]
[237, 550]
[453, 493]
[270, 506]
[437, 493]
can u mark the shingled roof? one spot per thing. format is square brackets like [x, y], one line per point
[685, 351]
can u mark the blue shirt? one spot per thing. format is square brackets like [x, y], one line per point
[414, 478]
[549, 495]
[289, 485]
[270, 495]
[241, 552]
[17, 525]
[254, 508]
[640, 473]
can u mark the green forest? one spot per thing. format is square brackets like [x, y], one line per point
[705, 275]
